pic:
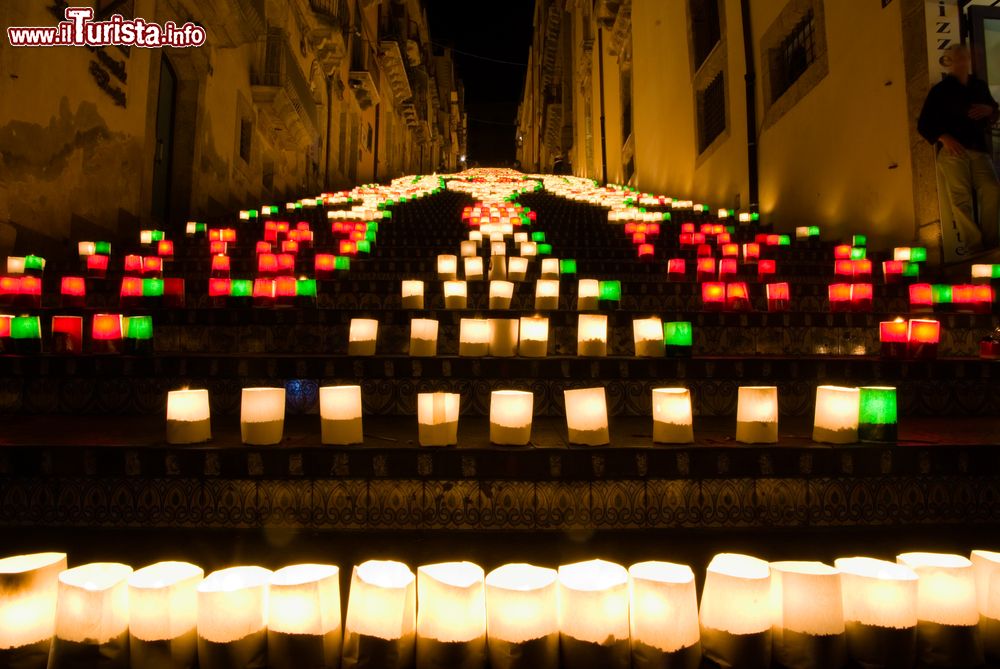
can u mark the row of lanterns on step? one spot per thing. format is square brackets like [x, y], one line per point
[843, 416]
[935, 609]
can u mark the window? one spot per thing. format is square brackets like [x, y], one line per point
[369, 136]
[794, 55]
[246, 136]
[626, 92]
[267, 176]
[711, 112]
[706, 29]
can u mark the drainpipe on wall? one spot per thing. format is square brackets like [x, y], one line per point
[329, 123]
[753, 174]
[375, 146]
[600, 68]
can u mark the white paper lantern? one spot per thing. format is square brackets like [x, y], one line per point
[836, 418]
[550, 268]
[28, 586]
[92, 615]
[663, 613]
[520, 237]
[340, 415]
[522, 617]
[503, 337]
[534, 337]
[757, 415]
[511, 413]
[593, 614]
[592, 335]
[808, 615]
[986, 566]
[423, 337]
[15, 265]
[451, 615]
[517, 268]
[447, 267]
[188, 417]
[362, 338]
[232, 617]
[588, 294]
[587, 416]
[498, 248]
[647, 333]
[163, 614]
[262, 416]
[455, 295]
[303, 617]
[501, 293]
[672, 421]
[86, 249]
[947, 610]
[437, 415]
[476, 236]
[474, 337]
[469, 248]
[528, 249]
[735, 611]
[473, 269]
[546, 294]
[381, 621]
[413, 294]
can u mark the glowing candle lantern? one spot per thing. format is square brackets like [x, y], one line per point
[474, 337]
[133, 264]
[498, 248]
[647, 334]
[588, 294]
[676, 269]
[221, 248]
[877, 415]
[267, 263]
[862, 269]
[858, 253]
[340, 415]
[473, 268]
[808, 617]
[842, 252]
[263, 291]
[362, 337]
[220, 266]
[840, 297]
[985, 273]
[67, 334]
[727, 269]
[546, 294]
[917, 254]
[901, 253]
[663, 615]
[713, 296]
[219, 287]
[188, 417]
[165, 248]
[706, 269]
[286, 263]
[986, 567]
[262, 416]
[941, 294]
[922, 339]
[451, 615]
[28, 587]
[757, 415]
[510, 417]
[517, 268]
[346, 247]
[594, 615]
[152, 287]
[893, 338]
[730, 250]
[447, 267]
[704, 250]
[566, 266]
[592, 335]
[921, 296]
[469, 248]
[501, 293]
[106, 332]
[325, 265]
[232, 618]
[737, 296]
[880, 611]
[610, 293]
[844, 268]
[947, 611]
[15, 265]
[163, 615]
[97, 266]
[550, 268]
[380, 626]
[534, 337]
[92, 616]
[413, 294]
[437, 418]
[587, 416]
[766, 268]
[778, 296]
[455, 295]
[522, 617]
[529, 249]
[86, 249]
[645, 251]
[735, 612]
[836, 417]
[305, 289]
[423, 337]
[303, 617]
[672, 421]
[892, 270]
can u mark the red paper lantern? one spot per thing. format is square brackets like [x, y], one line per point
[106, 327]
[778, 296]
[218, 248]
[67, 334]
[844, 268]
[765, 268]
[133, 264]
[289, 246]
[713, 295]
[221, 265]
[165, 248]
[286, 263]
[861, 296]
[284, 286]
[922, 339]
[840, 297]
[892, 270]
[97, 266]
[645, 250]
[173, 293]
[706, 269]
[131, 287]
[727, 268]
[751, 252]
[152, 266]
[893, 337]
[737, 296]
[921, 296]
[687, 228]
[842, 252]
[676, 268]
[730, 250]
[263, 290]
[73, 286]
[267, 263]
[639, 238]
[263, 247]
[218, 287]
[348, 248]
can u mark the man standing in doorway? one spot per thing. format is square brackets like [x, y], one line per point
[956, 119]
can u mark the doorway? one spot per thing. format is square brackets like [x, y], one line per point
[984, 31]
[164, 148]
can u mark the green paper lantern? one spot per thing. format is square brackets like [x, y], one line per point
[370, 236]
[567, 266]
[678, 333]
[859, 240]
[104, 248]
[252, 213]
[34, 262]
[814, 231]
[995, 269]
[371, 226]
[538, 236]
[241, 288]
[941, 293]
[157, 235]
[784, 240]
[918, 254]
[610, 291]
[342, 262]
[544, 249]
[666, 216]
[139, 327]
[25, 327]
[305, 288]
[877, 417]
[364, 246]
[152, 287]
[911, 269]
[858, 253]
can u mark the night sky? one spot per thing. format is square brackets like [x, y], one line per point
[497, 30]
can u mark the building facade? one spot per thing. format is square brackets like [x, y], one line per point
[285, 98]
[803, 109]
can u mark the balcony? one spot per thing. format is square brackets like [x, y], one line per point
[364, 76]
[283, 95]
[395, 70]
[330, 31]
[621, 28]
[230, 23]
